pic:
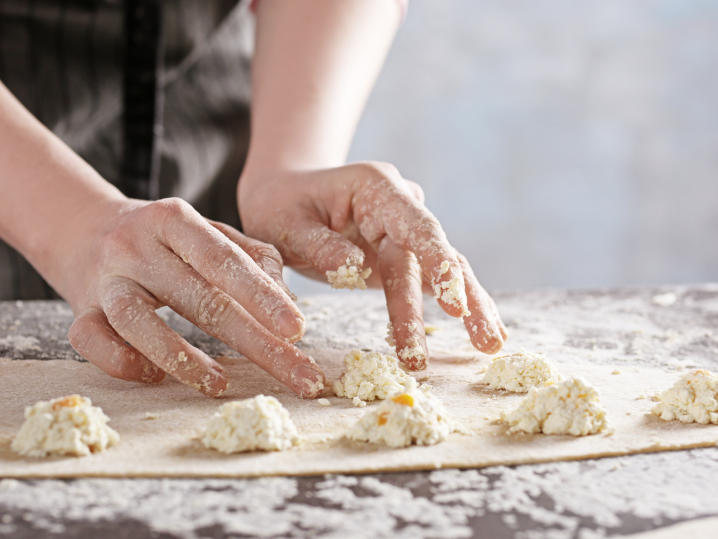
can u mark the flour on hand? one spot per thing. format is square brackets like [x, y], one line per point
[409, 416]
[369, 376]
[348, 276]
[692, 399]
[257, 424]
[520, 372]
[569, 407]
[65, 426]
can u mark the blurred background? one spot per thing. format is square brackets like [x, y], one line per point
[560, 143]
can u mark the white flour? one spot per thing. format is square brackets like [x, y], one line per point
[21, 343]
[550, 499]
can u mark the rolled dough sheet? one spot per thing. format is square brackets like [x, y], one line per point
[703, 528]
[167, 446]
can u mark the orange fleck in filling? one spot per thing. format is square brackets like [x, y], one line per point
[404, 399]
[67, 402]
[383, 419]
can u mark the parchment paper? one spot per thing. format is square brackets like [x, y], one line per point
[168, 446]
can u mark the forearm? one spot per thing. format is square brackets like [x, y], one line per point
[315, 64]
[48, 194]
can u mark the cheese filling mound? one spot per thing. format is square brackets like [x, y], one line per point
[348, 276]
[257, 424]
[65, 426]
[369, 376]
[569, 407]
[520, 372]
[409, 416]
[693, 398]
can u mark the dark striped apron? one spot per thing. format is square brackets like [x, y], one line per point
[154, 94]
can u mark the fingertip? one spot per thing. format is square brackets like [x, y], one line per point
[214, 382]
[307, 380]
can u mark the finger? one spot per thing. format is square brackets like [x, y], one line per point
[131, 311]
[402, 280]
[95, 340]
[219, 315]
[224, 265]
[384, 205]
[483, 324]
[416, 190]
[330, 253]
[264, 255]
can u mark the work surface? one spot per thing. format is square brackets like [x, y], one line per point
[595, 498]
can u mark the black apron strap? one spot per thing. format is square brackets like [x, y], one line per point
[142, 99]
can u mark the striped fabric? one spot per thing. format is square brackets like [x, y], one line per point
[73, 65]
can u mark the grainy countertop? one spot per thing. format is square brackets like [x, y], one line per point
[583, 500]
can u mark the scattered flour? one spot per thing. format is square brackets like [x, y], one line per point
[412, 416]
[640, 492]
[692, 399]
[665, 300]
[369, 376]
[21, 343]
[568, 407]
[260, 423]
[348, 276]
[65, 426]
[520, 372]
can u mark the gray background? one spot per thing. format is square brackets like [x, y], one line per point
[581, 137]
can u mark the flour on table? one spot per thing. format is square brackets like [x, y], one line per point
[65, 426]
[568, 407]
[410, 416]
[692, 399]
[348, 276]
[257, 424]
[520, 372]
[665, 300]
[369, 376]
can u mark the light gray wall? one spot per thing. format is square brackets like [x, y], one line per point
[581, 137]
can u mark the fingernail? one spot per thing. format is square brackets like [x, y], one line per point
[289, 325]
[307, 380]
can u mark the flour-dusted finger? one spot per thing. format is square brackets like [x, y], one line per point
[384, 205]
[328, 252]
[224, 265]
[216, 313]
[483, 324]
[131, 312]
[92, 336]
[264, 255]
[402, 280]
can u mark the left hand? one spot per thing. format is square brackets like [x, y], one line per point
[368, 216]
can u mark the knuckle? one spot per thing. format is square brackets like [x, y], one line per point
[124, 308]
[265, 255]
[211, 308]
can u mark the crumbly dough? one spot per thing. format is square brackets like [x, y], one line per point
[369, 376]
[257, 424]
[65, 426]
[693, 398]
[348, 276]
[452, 292]
[568, 407]
[410, 416]
[520, 372]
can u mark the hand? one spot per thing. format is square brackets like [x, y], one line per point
[140, 256]
[366, 215]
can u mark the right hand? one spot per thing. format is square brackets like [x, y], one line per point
[141, 256]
